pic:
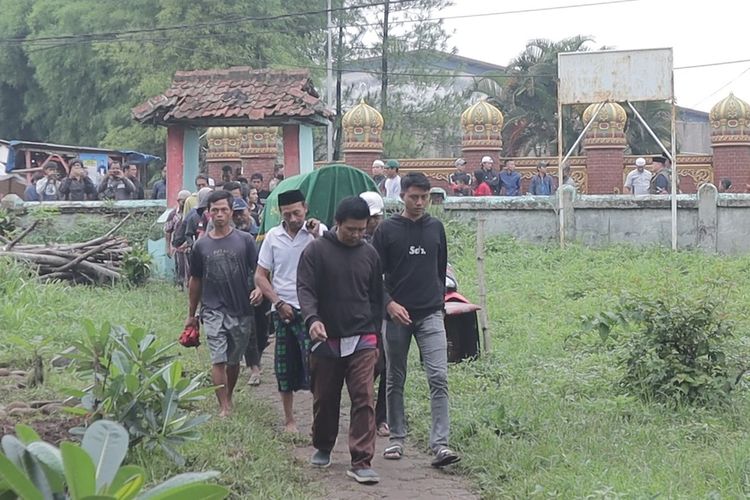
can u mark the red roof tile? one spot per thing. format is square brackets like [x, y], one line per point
[239, 96]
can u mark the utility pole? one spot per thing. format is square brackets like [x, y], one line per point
[329, 85]
[384, 60]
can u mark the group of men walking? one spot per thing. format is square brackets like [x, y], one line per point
[340, 298]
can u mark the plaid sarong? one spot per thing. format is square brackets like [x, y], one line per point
[292, 354]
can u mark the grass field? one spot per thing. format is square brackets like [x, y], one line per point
[541, 416]
[254, 460]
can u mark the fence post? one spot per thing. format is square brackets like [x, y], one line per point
[708, 218]
[481, 285]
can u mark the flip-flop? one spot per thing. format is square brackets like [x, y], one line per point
[254, 379]
[384, 430]
[445, 457]
[393, 452]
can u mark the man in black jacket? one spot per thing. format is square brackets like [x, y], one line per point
[413, 254]
[77, 186]
[340, 290]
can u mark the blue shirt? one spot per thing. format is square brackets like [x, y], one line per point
[542, 186]
[159, 191]
[511, 181]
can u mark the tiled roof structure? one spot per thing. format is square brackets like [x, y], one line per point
[236, 96]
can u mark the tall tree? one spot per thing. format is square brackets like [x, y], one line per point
[412, 91]
[80, 89]
[384, 59]
[527, 95]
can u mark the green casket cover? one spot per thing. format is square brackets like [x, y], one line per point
[323, 188]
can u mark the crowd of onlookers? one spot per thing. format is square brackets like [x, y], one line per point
[116, 182]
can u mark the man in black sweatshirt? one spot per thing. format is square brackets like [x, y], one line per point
[413, 253]
[340, 291]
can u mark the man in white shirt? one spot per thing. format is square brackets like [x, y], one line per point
[638, 180]
[392, 180]
[276, 277]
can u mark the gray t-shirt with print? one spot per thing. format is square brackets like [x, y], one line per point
[225, 266]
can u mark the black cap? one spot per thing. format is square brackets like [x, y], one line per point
[659, 159]
[291, 197]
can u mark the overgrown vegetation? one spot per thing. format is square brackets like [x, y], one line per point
[87, 227]
[543, 416]
[140, 385]
[253, 461]
[136, 265]
[674, 352]
[8, 222]
[33, 469]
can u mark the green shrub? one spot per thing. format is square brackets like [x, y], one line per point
[136, 266]
[138, 385]
[8, 222]
[33, 469]
[674, 351]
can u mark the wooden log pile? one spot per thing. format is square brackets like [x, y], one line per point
[97, 261]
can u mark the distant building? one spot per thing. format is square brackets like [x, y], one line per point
[361, 79]
[693, 131]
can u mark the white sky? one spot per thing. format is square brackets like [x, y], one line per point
[699, 31]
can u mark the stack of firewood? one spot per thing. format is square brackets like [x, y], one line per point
[98, 261]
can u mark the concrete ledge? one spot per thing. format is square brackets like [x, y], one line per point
[83, 206]
[708, 220]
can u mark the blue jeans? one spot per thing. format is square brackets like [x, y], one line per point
[431, 341]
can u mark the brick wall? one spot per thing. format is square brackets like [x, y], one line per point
[604, 167]
[362, 159]
[732, 161]
[474, 159]
[262, 164]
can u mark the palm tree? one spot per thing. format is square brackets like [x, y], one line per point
[527, 95]
[658, 115]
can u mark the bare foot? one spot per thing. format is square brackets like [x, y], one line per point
[225, 412]
[291, 428]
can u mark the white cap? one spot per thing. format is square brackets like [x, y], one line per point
[640, 162]
[374, 201]
[459, 162]
[487, 159]
[378, 163]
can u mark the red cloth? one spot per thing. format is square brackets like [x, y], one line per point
[483, 190]
[190, 337]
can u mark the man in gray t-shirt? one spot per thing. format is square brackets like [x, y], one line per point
[221, 265]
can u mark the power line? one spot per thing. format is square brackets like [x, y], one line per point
[205, 24]
[711, 64]
[722, 87]
[116, 36]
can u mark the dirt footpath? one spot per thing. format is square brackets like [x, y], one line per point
[412, 477]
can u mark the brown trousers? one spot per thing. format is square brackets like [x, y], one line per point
[327, 376]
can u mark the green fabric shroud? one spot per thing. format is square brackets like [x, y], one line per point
[324, 188]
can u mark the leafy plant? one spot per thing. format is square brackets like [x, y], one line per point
[139, 385]
[136, 265]
[676, 352]
[33, 469]
[8, 222]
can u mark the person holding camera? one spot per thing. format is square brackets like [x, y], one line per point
[48, 187]
[116, 186]
[77, 186]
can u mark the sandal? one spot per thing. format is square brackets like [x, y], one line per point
[393, 452]
[254, 379]
[444, 457]
[384, 430]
